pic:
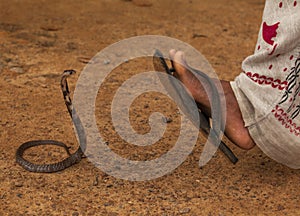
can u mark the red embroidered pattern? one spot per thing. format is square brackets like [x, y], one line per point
[262, 79]
[285, 120]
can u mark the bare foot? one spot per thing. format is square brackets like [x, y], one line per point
[234, 128]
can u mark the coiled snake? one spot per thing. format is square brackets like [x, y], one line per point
[73, 158]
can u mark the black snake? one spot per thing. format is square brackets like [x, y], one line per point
[73, 158]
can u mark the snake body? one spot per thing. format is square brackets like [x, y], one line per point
[73, 158]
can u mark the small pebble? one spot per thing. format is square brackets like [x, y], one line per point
[75, 214]
[106, 62]
[109, 203]
[184, 210]
[17, 69]
[196, 35]
[19, 184]
[167, 120]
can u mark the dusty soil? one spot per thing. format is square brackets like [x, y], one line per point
[40, 39]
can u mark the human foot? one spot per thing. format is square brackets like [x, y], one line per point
[234, 128]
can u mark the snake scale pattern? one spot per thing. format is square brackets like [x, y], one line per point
[73, 158]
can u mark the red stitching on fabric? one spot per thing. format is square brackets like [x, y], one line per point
[262, 79]
[285, 120]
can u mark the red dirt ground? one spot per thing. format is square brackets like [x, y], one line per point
[40, 39]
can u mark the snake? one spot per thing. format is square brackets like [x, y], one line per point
[214, 131]
[72, 158]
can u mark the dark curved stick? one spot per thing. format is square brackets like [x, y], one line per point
[73, 158]
[217, 121]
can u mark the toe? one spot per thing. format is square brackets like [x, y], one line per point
[179, 63]
[172, 53]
